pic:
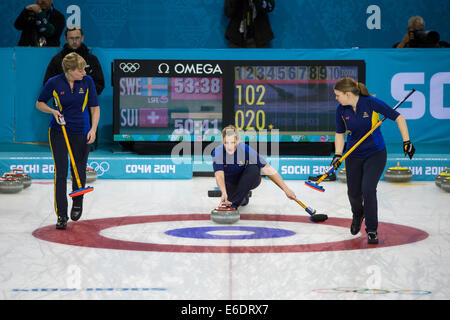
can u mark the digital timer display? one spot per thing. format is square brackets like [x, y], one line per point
[192, 100]
[196, 89]
[297, 100]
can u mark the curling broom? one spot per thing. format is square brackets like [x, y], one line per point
[315, 185]
[314, 217]
[80, 191]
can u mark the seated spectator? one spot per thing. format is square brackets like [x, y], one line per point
[41, 25]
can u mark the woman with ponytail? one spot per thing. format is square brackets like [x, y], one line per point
[357, 113]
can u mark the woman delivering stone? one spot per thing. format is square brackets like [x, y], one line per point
[238, 169]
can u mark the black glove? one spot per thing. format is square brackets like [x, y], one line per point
[408, 149]
[335, 162]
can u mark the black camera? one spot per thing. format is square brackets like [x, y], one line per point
[30, 16]
[424, 39]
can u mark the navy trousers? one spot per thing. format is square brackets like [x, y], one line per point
[80, 150]
[250, 178]
[362, 180]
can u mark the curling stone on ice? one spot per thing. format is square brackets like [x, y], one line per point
[10, 184]
[225, 215]
[444, 174]
[445, 184]
[342, 175]
[25, 178]
[91, 175]
[398, 174]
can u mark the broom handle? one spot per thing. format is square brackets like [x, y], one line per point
[373, 129]
[74, 166]
[366, 135]
[298, 201]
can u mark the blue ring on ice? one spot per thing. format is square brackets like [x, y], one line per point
[204, 233]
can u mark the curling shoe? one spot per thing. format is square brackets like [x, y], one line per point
[245, 201]
[61, 224]
[331, 177]
[356, 224]
[372, 237]
[77, 209]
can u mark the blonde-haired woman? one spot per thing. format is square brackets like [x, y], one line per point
[237, 169]
[357, 112]
[74, 94]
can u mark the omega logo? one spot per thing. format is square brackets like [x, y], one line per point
[163, 66]
[194, 68]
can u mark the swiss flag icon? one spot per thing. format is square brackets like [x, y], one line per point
[153, 117]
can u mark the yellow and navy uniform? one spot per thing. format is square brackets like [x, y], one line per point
[73, 104]
[360, 122]
[241, 171]
[233, 165]
[365, 165]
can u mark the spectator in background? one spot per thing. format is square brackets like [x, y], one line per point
[74, 43]
[417, 37]
[41, 25]
[249, 26]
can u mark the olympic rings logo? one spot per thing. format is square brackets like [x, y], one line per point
[100, 168]
[129, 66]
[373, 291]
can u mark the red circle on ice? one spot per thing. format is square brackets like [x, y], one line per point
[87, 234]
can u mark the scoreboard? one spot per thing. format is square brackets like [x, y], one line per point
[175, 100]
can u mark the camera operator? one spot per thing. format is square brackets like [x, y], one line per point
[417, 37]
[41, 25]
[249, 25]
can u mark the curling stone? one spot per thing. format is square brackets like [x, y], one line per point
[10, 185]
[398, 174]
[342, 175]
[216, 193]
[444, 174]
[91, 175]
[445, 184]
[225, 215]
[25, 178]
